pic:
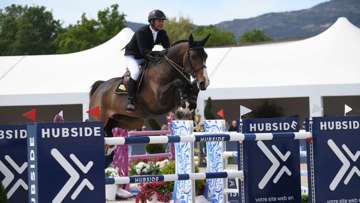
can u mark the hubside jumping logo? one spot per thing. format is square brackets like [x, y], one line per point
[9, 181]
[74, 175]
[346, 164]
[275, 164]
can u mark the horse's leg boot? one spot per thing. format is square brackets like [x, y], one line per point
[131, 95]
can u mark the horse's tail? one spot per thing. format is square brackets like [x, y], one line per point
[95, 86]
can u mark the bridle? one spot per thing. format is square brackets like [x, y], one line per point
[193, 73]
[181, 69]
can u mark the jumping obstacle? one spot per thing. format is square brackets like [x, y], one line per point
[123, 156]
[173, 177]
[71, 151]
[206, 137]
[214, 138]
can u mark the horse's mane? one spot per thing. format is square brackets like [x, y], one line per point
[179, 41]
[195, 47]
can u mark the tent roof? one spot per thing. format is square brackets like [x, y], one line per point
[328, 58]
[63, 73]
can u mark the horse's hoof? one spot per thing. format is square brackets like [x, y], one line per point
[183, 104]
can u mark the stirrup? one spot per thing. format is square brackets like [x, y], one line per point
[130, 107]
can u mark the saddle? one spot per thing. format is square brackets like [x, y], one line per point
[153, 57]
[122, 87]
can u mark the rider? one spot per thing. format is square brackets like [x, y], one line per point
[140, 46]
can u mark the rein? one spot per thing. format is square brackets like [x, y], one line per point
[181, 69]
[178, 69]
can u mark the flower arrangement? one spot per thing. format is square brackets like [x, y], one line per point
[160, 190]
[110, 190]
[150, 168]
[111, 172]
[143, 168]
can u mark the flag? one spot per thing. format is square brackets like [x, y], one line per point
[94, 112]
[317, 109]
[221, 113]
[347, 109]
[244, 110]
[59, 117]
[30, 115]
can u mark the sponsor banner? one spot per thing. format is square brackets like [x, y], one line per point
[13, 162]
[335, 153]
[67, 162]
[271, 168]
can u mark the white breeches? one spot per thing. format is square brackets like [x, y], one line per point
[134, 66]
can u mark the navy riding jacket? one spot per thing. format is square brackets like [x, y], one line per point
[142, 42]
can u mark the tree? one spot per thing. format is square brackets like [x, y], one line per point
[78, 37]
[88, 33]
[110, 23]
[217, 37]
[208, 114]
[267, 110]
[178, 29]
[27, 30]
[254, 36]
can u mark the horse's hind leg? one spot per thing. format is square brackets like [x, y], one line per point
[110, 124]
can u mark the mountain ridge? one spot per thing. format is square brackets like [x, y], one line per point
[291, 25]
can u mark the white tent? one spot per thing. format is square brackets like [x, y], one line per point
[324, 65]
[63, 78]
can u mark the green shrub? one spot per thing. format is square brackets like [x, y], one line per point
[199, 184]
[155, 148]
[208, 113]
[304, 198]
[3, 198]
[232, 160]
[169, 169]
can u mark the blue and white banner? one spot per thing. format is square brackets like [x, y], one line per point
[183, 189]
[335, 152]
[13, 162]
[271, 168]
[66, 162]
[215, 161]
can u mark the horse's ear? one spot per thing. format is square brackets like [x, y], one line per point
[191, 39]
[203, 42]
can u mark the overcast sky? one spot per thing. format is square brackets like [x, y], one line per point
[201, 12]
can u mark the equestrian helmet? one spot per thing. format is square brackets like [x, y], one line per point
[156, 14]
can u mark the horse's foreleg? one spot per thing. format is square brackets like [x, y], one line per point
[109, 150]
[167, 90]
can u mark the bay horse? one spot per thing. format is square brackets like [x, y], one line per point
[159, 92]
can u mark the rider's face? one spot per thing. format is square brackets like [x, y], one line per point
[158, 24]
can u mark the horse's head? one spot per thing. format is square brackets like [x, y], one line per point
[194, 62]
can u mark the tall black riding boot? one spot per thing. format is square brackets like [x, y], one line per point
[131, 95]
